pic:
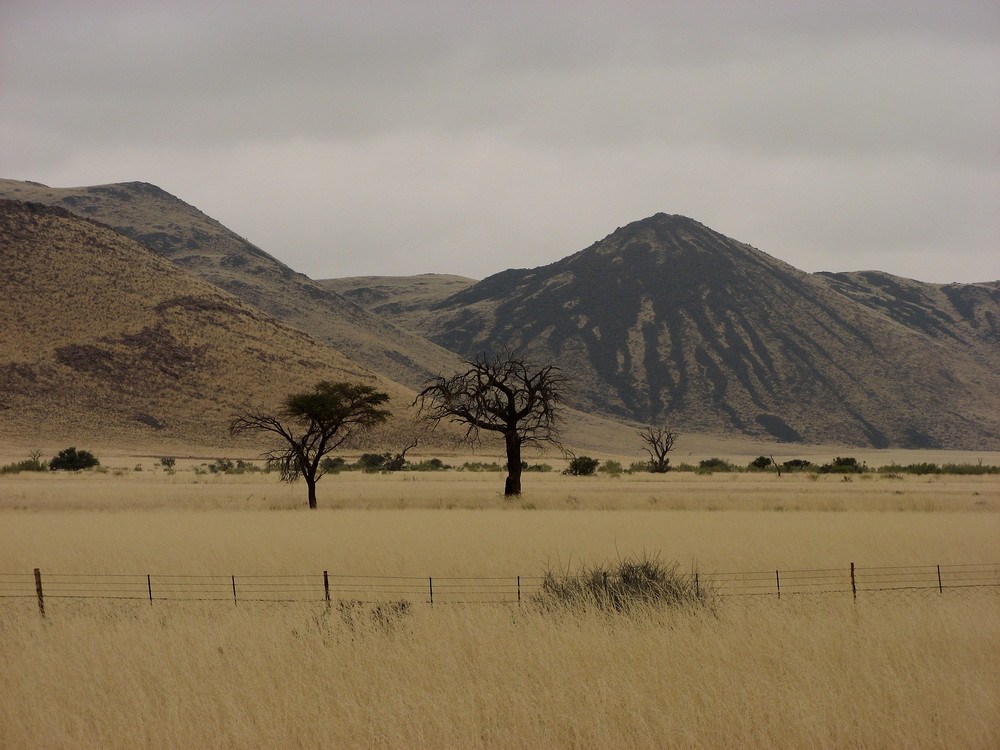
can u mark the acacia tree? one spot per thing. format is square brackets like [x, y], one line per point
[312, 424]
[659, 441]
[502, 394]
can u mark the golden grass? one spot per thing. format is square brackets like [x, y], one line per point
[914, 670]
[121, 487]
[909, 673]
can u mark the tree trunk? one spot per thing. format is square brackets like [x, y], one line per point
[311, 485]
[512, 488]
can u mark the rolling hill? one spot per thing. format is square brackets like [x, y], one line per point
[104, 340]
[666, 320]
[204, 247]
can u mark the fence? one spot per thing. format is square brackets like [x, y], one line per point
[324, 587]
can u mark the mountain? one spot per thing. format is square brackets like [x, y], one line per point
[668, 321]
[104, 340]
[204, 247]
[395, 297]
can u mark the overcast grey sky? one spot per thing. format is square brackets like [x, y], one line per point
[356, 138]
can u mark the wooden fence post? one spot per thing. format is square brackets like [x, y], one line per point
[326, 587]
[777, 583]
[519, 590]
[430, 588]
[149, 587]
[854, 585]
[234, 590]
[940, 587]
[38, 590]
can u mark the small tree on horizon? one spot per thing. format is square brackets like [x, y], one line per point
[70, 459]
[312, 424]
[658, 442]
[500, 393]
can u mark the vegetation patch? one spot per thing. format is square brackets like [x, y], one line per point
[622, 586]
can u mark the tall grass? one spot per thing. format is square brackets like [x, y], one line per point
[817, 673]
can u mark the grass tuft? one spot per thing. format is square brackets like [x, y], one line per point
[624, 585]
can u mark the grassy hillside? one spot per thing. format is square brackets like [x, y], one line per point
[103, 339]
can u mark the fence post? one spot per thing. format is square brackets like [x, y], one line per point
[777, 583]
[326, 587]
[38, 590]
[149, 587]
[430, 588]
[697, 586]
[940, 587]
[234, 590]
[854, 585]
[519, 590]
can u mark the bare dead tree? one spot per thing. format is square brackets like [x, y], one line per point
[312, 424]
[659, 441]
[502, 394]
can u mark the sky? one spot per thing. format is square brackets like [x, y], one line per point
[396, 138]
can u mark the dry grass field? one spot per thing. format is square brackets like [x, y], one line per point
[890, 670]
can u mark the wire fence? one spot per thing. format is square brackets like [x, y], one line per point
[326, 587]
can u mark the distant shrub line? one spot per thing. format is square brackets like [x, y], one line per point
[72, 459]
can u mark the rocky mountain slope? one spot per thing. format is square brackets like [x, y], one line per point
[666, 320]
[101, 339]
[204, 247]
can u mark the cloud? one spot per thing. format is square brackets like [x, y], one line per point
[390, 137]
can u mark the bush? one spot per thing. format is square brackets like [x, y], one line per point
[372, 462]
[167, 462]
[582, 466]
[431, 464]
[760, 463]
[612, 468]
[332, 464]
[70, 459]
[843, 465]
[796, 464]
[29, 464]
[710, 465]
[622, 586]
[480, 466]
[536, 467]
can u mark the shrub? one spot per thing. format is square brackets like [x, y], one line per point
[536, 467]
[480, 466]
[637, 467]
[372, 462]
[796, 464]
[29, 464]
[582, 466]
[70, 459]
[843, 465]
[167, 462]
[760, 463]
[332, 464]
[612, 468]
[710, 465]
[431, 464]
[623, 586]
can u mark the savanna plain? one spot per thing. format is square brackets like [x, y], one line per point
[910, 669]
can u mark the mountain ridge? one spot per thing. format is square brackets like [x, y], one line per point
[667, 320]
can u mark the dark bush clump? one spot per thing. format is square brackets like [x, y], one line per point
[582, 466]
[843, 465]
[70, 459]
[710, 465]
